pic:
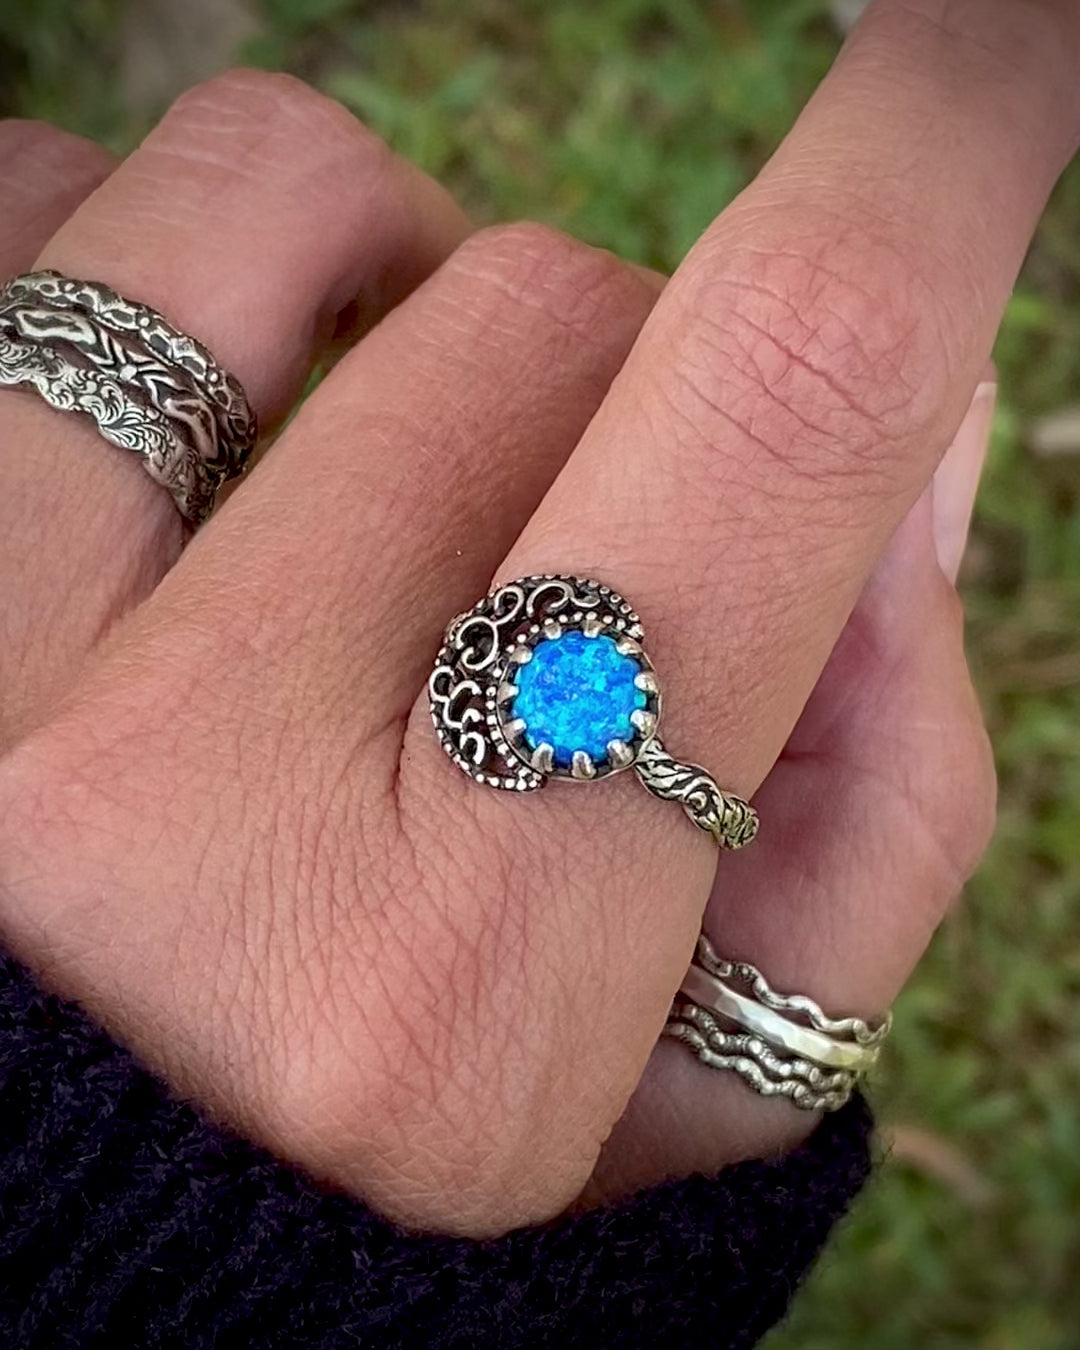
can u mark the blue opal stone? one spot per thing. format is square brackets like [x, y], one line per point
[577, 693]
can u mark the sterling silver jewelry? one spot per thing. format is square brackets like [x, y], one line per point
[781, 1044]
[546, 677]
[120, 419]
[769, 1074]
[95, 338]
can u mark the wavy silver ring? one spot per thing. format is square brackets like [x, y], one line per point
[547, 677]
[780, 1044]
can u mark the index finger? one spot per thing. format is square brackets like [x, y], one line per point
[811, 359]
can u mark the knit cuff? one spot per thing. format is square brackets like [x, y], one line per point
[127, 1220]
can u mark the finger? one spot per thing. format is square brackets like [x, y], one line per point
[883, 802]
[785, 405]
[810, 361]
[414, 467]
[44, 175]
[251, 217]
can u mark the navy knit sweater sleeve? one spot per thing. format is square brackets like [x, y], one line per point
[128, 1222]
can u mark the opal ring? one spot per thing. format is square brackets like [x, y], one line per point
[547, 677]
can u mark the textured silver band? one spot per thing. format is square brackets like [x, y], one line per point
[120, 419]
[730, 820]
[781, 1044]
[816, 1046]
[83, 347]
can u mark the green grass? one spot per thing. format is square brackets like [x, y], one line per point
[631, 122]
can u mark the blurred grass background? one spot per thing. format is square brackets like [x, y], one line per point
[630, 123]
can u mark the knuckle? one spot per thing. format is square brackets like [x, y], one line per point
[823, 350]
[267, 120]
[540, 272]
[37, 159]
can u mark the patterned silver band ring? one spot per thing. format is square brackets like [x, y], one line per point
[99, 338]
[828, 1052]
[121, 419]
[122, 316]
[804, 1084]
[546, 677]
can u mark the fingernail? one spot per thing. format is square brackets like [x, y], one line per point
[957, 479]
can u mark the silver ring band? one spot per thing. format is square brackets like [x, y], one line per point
[118, 314]
[818, 1048]
[71, 341]
[804, 1084]
[120, 419]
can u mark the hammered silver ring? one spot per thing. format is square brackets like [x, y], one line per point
[547, 677]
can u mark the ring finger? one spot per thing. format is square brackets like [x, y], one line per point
[252, 216]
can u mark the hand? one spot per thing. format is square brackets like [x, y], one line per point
[227, 827]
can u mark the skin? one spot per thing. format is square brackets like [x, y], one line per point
[225, 825]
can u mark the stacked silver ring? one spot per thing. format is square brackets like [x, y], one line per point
[780, 1044]
[149, 388]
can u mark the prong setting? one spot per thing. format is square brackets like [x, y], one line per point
[543, 757]
[515, 729]
[584, 762]
[582, 765]
[645, 722]
[620, 754]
